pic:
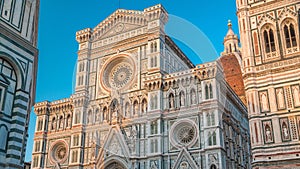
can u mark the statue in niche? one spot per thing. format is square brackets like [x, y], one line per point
[285, 131]
[93, 150]
[280, 99]
[105, 114]
[296, 95]
[53, 125]
[182, 99]
[69, 121]
[114, 110]
[127, 109]
[264, 102]
[144, 106]
[193, 97]
[61, 122]
[171, 101]
[269, 137]
[136, 107]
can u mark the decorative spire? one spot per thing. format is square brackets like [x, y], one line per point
[230, 31]
[229, 24]
[231, 40]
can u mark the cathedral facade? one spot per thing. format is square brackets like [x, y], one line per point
[18, 67]
[269, 32]
[140, 103]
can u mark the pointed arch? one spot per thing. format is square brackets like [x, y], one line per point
[206, 91]
[182, 98]
[3, 137]
[135, 107]
[144, 106]
[171, 101]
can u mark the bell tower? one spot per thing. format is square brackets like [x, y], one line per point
[269, 35]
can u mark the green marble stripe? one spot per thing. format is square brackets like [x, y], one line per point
[15, 139]
[13, 156]
[18, 114]
[17, 131]
[18, 45]
[13, 147]
[18, 122]
[20, 97]
[19, 105]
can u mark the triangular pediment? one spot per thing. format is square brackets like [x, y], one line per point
[114, 146]
[115, 143]
[117, 29]
[184, 160]
[119, 22]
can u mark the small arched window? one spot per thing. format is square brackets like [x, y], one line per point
[104, 114]
[206, 92]
[151, 48]
[61, 122]
[68, 122]
[210, 91]
[269, 40]
[90, 117]
[97, 116]
[209, 139]
[53, 123]
[213, 166]
[208, 119]
[212, 117]
[289, 35]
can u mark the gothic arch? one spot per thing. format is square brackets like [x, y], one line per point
[269, 41]
[114, 163]
[288, 27]
[16, 66]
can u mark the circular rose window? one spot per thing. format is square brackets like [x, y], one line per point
[185, 133]
[120, 75]
[117, 73]
[59, 152]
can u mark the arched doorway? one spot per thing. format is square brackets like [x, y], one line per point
[115, 165]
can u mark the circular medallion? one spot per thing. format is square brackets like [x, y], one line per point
[117, 73]
[59, 152]
[119, 28]
[185, 133]
[120, 76]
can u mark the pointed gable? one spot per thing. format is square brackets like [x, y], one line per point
[184, 159]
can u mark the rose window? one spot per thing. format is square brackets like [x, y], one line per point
[59, 152]
[120, 76]
[117, 73]
[185, 133]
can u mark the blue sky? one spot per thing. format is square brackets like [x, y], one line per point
[60, 19]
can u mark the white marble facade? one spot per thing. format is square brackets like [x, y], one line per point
[140, 103]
